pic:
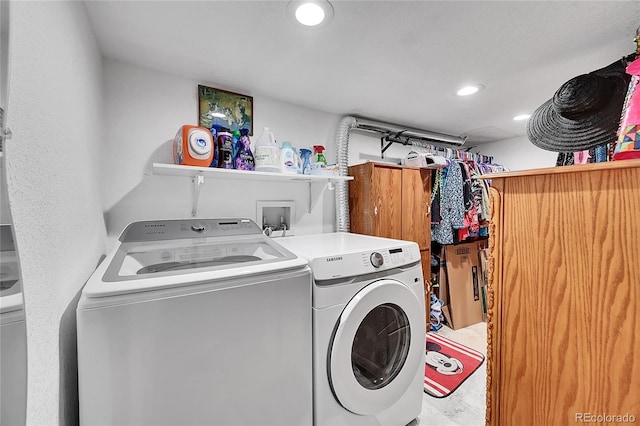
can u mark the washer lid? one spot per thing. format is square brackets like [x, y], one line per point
[150, 259]
[378, 347]
[152, 256]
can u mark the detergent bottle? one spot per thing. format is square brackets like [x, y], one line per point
[288, 162]
[267, 153]
[235, 137]
[305, 154]
[319, 149]
[243, 157]
[193, 146]
[298, 160]
[215, 129]
[225, 149]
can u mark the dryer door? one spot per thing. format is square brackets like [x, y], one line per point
[378, 347]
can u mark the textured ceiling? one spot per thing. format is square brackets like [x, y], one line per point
[396, 61]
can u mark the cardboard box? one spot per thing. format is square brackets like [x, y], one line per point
[464, 285]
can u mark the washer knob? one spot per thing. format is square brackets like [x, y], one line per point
[199, 227]
[376, 259]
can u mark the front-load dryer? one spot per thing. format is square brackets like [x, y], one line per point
[368, 328]
[196, 322]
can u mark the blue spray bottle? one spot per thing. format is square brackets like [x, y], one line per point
[305, 154]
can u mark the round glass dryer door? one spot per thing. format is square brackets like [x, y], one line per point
[378, 347]
[381, 346]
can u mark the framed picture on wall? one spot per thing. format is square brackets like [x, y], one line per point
[231, 110]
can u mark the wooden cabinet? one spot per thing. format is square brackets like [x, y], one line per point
[564, 295]
[393, 202]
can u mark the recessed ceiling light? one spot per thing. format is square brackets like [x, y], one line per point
[521, 117]
[310, 13]
[470, 90]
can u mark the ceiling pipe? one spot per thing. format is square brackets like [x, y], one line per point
[396, 130]
[389, 131]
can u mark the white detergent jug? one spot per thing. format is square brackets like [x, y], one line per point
[288, 162]
[267, 153]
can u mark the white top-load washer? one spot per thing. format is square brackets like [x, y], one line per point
[368, 328]
[13, 334]
[196, 322]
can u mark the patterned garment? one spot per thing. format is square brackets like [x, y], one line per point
[628, 143]
[565, 159]
[451, 206]
[477, 186]
[486, 207]
[467, 190]
[436, 195]
[601, 153]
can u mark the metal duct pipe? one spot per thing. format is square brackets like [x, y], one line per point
[396, 130]
[387, 130]
[342, 160]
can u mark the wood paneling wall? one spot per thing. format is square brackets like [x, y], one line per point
[564, 294]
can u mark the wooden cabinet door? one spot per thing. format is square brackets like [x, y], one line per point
[360, 199]
[391, 201]
[387, 198]
[564, 296]
[416, 207]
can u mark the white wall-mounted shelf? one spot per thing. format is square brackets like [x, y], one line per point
[177, 170]
[199, 174]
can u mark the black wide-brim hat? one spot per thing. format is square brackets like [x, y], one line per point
[583, 113]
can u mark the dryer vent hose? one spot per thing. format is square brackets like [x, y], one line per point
[342, 159]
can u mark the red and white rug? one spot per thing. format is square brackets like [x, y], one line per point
[448, 365]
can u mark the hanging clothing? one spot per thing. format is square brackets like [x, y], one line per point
[601, 153]
[479, 187]
[451, 206]
[436, 195]
[565, 159]
[581, 157]
[466, 186]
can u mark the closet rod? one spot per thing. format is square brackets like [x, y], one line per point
[385, 129]
[428, 144]
[406, 140]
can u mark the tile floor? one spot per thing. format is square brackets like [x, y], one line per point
[466, 405]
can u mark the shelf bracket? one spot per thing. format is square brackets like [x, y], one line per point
[384, 147]
[330, 186]
[198, 181]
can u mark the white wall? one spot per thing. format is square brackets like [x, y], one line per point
[55, 113]
[365, 146]
[518, 154]
[5, 212]
[143, 110]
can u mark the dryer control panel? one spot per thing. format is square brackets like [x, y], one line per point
[354, 264]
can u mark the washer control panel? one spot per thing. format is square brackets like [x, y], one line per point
[157, 230]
